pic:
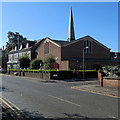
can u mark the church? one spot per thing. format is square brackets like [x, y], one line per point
[77, 53]
[81, 53]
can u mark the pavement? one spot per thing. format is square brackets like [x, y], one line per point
[97, 89]
[89, 85]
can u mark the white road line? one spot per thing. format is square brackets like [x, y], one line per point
[65, 100]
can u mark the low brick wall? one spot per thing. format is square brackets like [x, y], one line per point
[31, 74]
[108, 81]
[111, 82]
[57, 75]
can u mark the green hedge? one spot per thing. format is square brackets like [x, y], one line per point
[38, 70]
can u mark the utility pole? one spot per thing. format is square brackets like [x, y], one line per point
[84, 62]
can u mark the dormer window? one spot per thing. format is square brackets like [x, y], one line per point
[21, 47]
[15, 47]
[27, 45]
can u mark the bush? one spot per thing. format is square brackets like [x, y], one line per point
[24, 62]
[97, 67]
[112, 70]
[47, 62]
[35, 64]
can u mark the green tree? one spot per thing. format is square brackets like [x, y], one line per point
[35, 64]
[48, 61]
[97, 67]
[12, 41]
[24, 61]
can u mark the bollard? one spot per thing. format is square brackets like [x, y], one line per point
[9, 71]
[23, 73]
[102, 74]
[101, 81]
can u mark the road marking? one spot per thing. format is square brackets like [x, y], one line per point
[11, 104]
[65, 100]
[7, 104]
[13, 107]
[95, 92]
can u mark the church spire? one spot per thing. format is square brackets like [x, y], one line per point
[71, 34]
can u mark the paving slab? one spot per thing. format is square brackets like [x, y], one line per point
[98, 90]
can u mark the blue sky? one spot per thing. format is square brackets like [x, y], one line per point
[36, 20]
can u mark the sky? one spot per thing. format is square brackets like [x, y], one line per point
[36, 20]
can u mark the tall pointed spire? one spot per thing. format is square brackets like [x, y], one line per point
[71, 34]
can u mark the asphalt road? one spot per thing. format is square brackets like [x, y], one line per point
[39, 99]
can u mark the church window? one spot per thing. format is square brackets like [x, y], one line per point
[46, 48]
[87, 46]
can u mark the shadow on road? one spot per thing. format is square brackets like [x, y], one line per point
[8, 114]
[5, 89]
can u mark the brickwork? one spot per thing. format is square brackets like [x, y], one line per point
[64, 65]
[70, 55]
[40, 51]
[109, 81]
[76, 51]
[55, 51]
[114, 83]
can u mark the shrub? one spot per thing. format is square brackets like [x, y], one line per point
[24, 62]
[112, 70]
[97, 67]
[35, 64]
[47, 62]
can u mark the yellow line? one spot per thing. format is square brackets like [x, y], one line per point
[11, 106]
[11, 103]
[7, 104]
[64, 100]
[95, 92]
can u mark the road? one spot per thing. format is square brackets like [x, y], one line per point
[38, 99]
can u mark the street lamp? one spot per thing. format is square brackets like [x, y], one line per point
[40, 65]
[18, 56]
[84, 62]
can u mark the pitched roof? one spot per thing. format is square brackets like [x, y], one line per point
[80, 39]
[60, 42]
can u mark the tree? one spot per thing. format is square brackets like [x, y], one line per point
[48, 61]
[35, 64]
[24, 61]
[97, 67]
[12, 41]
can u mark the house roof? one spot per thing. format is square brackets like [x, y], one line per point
[61, 43]
[30, 44]
[85, 37]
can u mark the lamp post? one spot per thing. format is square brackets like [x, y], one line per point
[84, 62]
[18, 56]
[40, 66]
[41, 70]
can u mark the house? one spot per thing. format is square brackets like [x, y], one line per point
[27, 48]
[70, 54]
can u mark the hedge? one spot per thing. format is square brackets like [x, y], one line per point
[38, 70]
